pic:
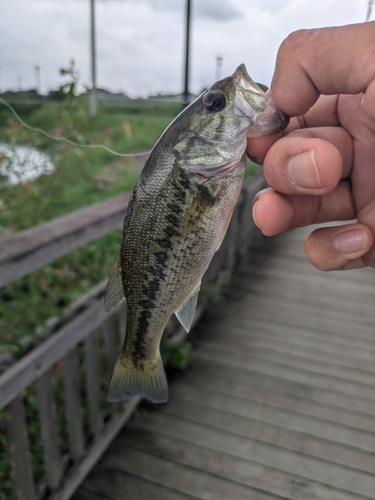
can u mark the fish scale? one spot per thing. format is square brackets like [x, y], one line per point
[176, 220]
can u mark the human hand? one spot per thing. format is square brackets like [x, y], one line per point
[321, 168]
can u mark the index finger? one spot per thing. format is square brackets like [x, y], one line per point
[322, 114]
[338, 60]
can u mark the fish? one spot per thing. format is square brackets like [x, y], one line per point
[176, 220]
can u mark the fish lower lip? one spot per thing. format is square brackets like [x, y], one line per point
[284, 119]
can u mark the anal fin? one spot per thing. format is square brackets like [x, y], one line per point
[185, 313]
[114, 293]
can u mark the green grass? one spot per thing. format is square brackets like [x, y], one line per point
[82, 176]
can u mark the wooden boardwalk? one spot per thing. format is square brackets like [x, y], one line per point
[279, 402]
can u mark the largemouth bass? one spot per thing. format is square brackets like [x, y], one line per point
[176, 220]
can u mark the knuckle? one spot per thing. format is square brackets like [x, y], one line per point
[293, 41]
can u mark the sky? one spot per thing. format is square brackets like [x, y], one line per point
[140, 43]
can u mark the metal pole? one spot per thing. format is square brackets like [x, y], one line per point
[185, 95]
[219, 62]
[369, 9]
[38, 80]
[93, 100]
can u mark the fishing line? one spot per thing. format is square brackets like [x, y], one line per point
[61, 138]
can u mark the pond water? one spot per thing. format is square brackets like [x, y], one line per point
[22, 163]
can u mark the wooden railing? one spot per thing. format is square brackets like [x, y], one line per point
[64, 374]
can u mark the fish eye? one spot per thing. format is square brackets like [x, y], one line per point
[215, 101]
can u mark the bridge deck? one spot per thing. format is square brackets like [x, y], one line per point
[278, 404]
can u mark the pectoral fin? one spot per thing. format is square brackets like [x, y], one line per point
[114, 293]
[185, 314]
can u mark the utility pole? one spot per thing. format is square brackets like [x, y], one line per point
[38, 81]
[185, 95]
[369, 9]
[219, 62]
[93, 100]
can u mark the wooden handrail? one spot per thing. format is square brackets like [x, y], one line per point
[33, 248]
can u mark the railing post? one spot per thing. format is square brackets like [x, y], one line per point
[93, 382]
[19, 450]
[48, 420]
[73, 405]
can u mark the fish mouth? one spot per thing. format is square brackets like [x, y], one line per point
[271, 120]
[251, 101]
[244, 81]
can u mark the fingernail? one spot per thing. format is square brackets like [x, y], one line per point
[352, 241]
[255, 215]
[303, 172]
[254, 159]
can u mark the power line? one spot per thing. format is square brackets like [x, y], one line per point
[61, 138]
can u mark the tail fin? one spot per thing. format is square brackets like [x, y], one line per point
[148, 380]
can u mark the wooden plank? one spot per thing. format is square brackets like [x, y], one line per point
[287, 253]
[94, 451]
[271, 434]
[286, 385]
[250, 339]
[297, 325]
[31, 249]
[113, 484]
[307, 467]
[303, 303]
[330, 341]
[256, 328]
[93, 382]
[40, 359]
[181, 478]
[364, 292]
[281, 369]
[47, 413]
[288, 419]
[289, 315]
[73, 405]
[279, 399]
[296, 294]
[154, 437]
[297, 361]
[19, 450]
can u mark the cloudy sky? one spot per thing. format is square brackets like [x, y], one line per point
[140, 43]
